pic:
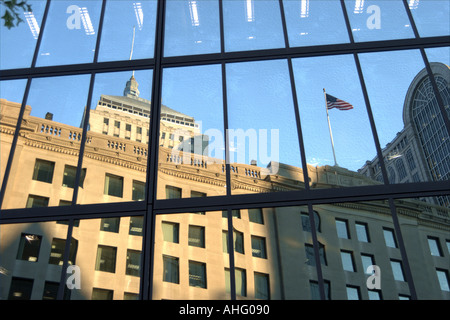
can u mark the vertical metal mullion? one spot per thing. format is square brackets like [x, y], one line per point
[22, 107]
[62, 282]
[316, 248]
[227, 158]
[152, 162]
[299, 126]
[87, 110]
[401, 245]
[283, 23]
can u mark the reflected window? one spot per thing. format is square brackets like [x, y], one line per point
[43, 170]
[397, 270]
[347, 261]
[367, 261]
[20, 289]
[70, 176]
[102, 294]
[310, 256]
[133, 263]
[197, 274]
[315, 290]
[37, 201]
[170, 231]
[110, 224]
[443, 279]
[342, 229]
[306, 223]
[170, 269]
[236, 213]
[389, 237]
[374, 294]
[435, 247]
[353, 293]
[240, 281]
[259, 247]
[57, 251]
[113, 185]
[256, 215]
[106, 259]
[138, 190]
[173, 192]
[197, 236]
[362, 231]
[136, 224]
[130, 296]
[29, 247]
[262, 287]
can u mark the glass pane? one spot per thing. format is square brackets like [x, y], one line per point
[11, 95]
[355, 263]
[378, 20]
[19, 40]
[70, 33]
[439, 55]
[262, 131]
[134, 36]
[252, 24]
[193, 267]
[314, 22]
[191, 133]
[336, 130]
[108, 263]
[52, 130]
[411, 130]
[116, 151]
[425, 246]
[192, 27]
[431, 17]
[31, 260]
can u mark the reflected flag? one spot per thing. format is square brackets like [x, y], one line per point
[333, 102]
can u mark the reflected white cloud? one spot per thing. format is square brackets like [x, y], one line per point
[413, 4]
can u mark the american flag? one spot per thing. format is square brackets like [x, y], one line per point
[333, 102]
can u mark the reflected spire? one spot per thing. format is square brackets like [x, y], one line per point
[131, 88]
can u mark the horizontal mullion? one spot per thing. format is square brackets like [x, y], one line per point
[77, 69]
[292, 198]
[228, 57]
[87, 211]
[309, 51]
[185, 205]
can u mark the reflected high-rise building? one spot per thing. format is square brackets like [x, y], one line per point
[421, 151]
[273, 247]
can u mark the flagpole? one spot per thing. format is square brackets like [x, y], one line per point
[329, 127]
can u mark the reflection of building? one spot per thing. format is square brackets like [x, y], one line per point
[274, 257]
[421, 151]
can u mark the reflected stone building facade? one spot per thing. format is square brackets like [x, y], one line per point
[421, 151]
[274, 256]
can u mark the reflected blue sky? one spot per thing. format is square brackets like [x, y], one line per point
[192, 28]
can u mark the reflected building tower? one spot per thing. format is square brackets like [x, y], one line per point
[421, 151]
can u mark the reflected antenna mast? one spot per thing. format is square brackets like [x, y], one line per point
[132, 45]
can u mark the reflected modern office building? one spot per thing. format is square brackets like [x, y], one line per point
[421, 151]
[120, 181]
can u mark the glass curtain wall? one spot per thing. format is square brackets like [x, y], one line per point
[225, 149]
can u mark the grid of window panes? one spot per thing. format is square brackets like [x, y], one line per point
[168, 129]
